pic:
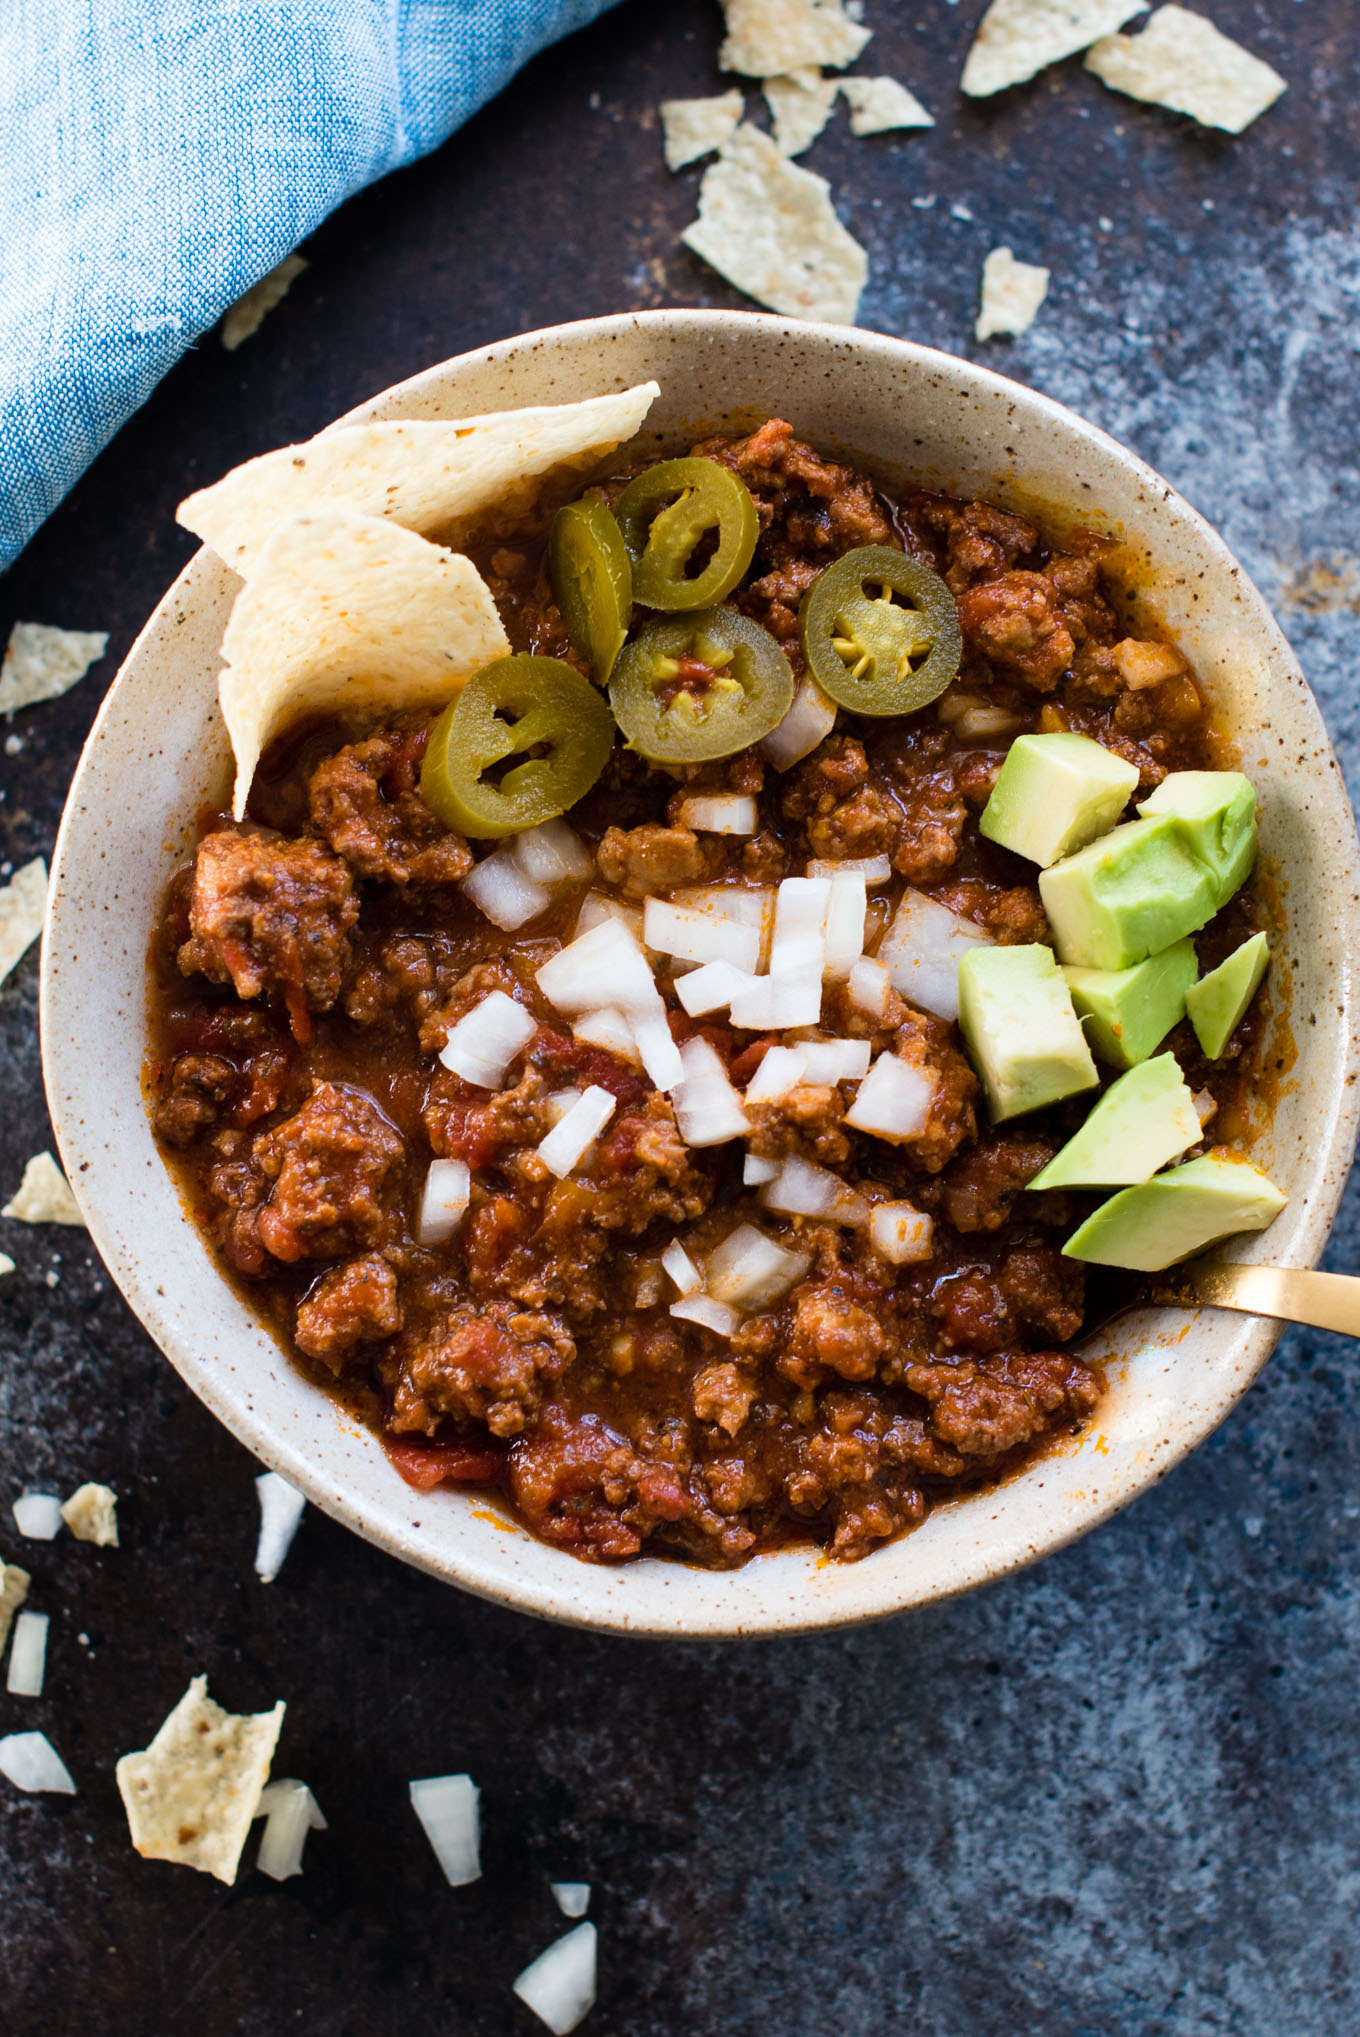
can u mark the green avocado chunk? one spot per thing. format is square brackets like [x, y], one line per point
[1177, 1214]
[1218, 1004]
[1054, 794]
[1219, 812]
[1128, 895]
[1127, 1013]
[1026, 1042]
[1144, 1119]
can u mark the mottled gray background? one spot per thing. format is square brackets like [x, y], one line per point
[1115, 1795]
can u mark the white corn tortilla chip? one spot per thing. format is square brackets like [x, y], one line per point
[769, 227]
[43, 662]
[249, 313]
[879, 104]
[91, 1513]
[1019, 38]
[438, 479]
[23, 905]
[695, 127]
[768, 38]
[800, 106]
[347, 611]
[43, 1196]
[14, 1584]
[1011, 294]
[1182, 61]
[191, 1795]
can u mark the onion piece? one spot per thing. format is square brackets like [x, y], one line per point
[712, 1315]
[750, 905]
[874, 870]
[609, 1029]
[556, 1106]
[559, 1986]
[500, 891]
[755, 1170]
[721, 813]
[781, 1070]
[845, 916]
[37, 1516]
[28, 1655]
[290, 1812]
[699, 936]
[598, 906]
[827, 1062]
[31, 1762]
[923, 948]
[572, 1897]
[281, 1508]
[711, 987]
[443, 1200]
[448, 1806]
[812, 716]
[567, 1144]
[901, 1233]
[603, 967]
[485, 1040]
[894, 1099]
[1205, 1105]
[707, 1108]
[681, 1268]
[750, 1271]
[656, 1047]
[774, 1004]
[552, 855]
[800, 914]
[868, 985]
[802, 1190]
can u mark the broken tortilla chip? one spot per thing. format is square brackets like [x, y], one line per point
[249, 313]
[23, 906]
[1011, 294]
[191, 1795]
[347, 612]
[1183, 62]
[696, 127]
[769, 38]
[880, 104]
[14, 1584]
[1019, 38]
[800, 106]
[435, 478]
[42, 662]
[43, 1196]
[769, 227]
[91, 1513]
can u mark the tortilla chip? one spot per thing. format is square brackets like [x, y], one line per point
[443, 479]
[1011, 294]
[800, 106]
[190, 1796]
[23, 906]
[1019, 38]
[769, 227]
[696, 127]
[43, 1197]
[1182, 61]
[91, 1513]
[42, 662]
[14, 1584]
[769, 38]
[879, 104]
[346, 612]
[249, 313]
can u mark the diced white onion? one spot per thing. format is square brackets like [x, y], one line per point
[1205, 1105]
[755, 1170]
[800, 910]
[500, 890]
[712, 1315]
[603, 967]
[894, 1099]
[982, 720]
[869, 984]
[597, 906]
[448, 1807]
[874, 870]
[902, 1234]
[826, 1062]
[844, 921]
[37, 1516]
[656, 1047]
[750, 1270]
[556, 1106]
[281, 1508]
[552, 855]
[559, 1986]
[723, 813]
[750, 905]
[443, 1200]
[699, 936]
[802, 1190]
[28, 1655]
[774, 1003]
[812, 716]
[711, 987]
[485, 1040]
[923, 948]
[572, 1137]
[572, 1897]
[781, 1070]
[608, 1029]
[681, 1268]
[31, 1762]
[290, 1812]
[707, 1108]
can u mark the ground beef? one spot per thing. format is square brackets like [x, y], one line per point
[334, 1170]
[270, 917]
[351, 1305]
[646, 860]
[199, 1086]
[364, 801]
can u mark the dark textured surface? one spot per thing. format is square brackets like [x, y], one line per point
[1115, 1795]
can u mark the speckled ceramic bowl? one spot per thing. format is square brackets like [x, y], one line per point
[902, 410]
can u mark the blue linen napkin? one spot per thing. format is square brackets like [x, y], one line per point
[160, 156]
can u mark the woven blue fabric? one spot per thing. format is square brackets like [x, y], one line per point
[161, 156]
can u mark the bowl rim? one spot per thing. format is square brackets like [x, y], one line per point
[546, 1598]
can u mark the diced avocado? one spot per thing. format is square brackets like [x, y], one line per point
[1219, 811]
[1016, 1015]
[1055, 794]
[1128, 895]
[1144, 1119]
[1127, 1013]
[1218, 1004]
[1177, 1214]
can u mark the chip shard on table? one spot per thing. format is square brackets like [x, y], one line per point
[91, 1513]
[769, 38]
[1012, 292]
[1019, 38]
[42, 662]
[43, 1196]
[769, 227]
[23, 907]
[249, 313]
[691, 128]
[800, 105]
[191, 1795]
[1180, 60]
[880, 105]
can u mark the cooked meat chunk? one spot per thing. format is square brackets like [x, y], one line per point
[351, 1305]
[200, 1084]
[983, 1182]
[643, 861]
[487, 1366]
[335, 1168]
[1017, 625]
[990, 1408]
[365, 802]
[271, 916]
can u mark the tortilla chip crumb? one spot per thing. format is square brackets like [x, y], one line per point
[696, 127]
[770, 228]
[191, 1795]
[43, 1196]
[880, 104]
[800, 106]
[1011, 294]
[23, 906]
[14, 1584]
[1183, 62]
[91, 1513]
[770, 38]
[249, 313]
[1019, 38]
[42, 662]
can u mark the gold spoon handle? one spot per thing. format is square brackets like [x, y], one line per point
[1325, 1301]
